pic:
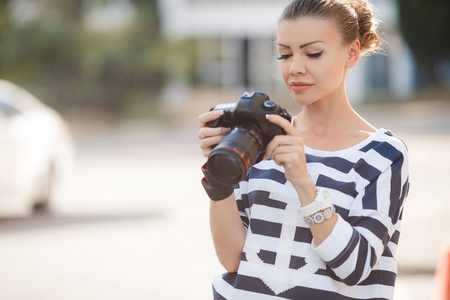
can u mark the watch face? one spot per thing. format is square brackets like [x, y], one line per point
[309, 221]
[318, 218]
[327, 213]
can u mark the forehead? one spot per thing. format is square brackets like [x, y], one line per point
[305, 29]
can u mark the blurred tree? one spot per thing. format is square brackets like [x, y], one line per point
[122, 65]
[71, 67]
[44, 50]
[426, 28]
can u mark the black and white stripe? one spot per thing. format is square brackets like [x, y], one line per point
[367, 184]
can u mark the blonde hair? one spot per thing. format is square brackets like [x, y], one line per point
[354, 18]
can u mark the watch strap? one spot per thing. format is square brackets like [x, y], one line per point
[321, 202]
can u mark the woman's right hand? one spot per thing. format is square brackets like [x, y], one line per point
[210, 137]
[227, 229]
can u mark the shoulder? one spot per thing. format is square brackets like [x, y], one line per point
[386, 145]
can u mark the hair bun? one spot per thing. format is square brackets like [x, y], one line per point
[368, 25]
[353, 18]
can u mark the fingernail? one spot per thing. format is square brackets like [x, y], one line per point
[226, 130]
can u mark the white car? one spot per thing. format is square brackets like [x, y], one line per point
[36, 152]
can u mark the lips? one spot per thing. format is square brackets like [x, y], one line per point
[300, 86]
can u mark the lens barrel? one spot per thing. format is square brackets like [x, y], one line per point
[231, 159]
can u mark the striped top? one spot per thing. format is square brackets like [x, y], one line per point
[367, 183]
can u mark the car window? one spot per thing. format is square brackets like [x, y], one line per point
[8, 110]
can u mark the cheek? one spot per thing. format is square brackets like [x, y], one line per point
[332, 71]
[283, 67]
[284, 70]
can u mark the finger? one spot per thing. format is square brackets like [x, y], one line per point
[210, 137]
[209, 116]
[287, 154]
[283, 140]
[271, 147]
[284, 159]
[288, 140]
[206, 132]
[210, 142]
[295, 166]
[283, 123]
[289, 149]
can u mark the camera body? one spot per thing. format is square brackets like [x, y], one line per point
[251, 132]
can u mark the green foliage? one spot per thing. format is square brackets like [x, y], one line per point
[74, 69]
[30, 50]
[426, 27]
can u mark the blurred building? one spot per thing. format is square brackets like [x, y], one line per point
[98, 15]
[236, 46]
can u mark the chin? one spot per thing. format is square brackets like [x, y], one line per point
[302, 99]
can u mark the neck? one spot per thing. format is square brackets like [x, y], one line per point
[327, 116]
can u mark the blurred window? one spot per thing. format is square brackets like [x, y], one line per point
[8, 110]
[228, 1]
[378, 78]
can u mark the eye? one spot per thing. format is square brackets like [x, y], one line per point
[315, 55]
[284, 56]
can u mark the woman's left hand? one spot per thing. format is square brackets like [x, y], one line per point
[288, 151]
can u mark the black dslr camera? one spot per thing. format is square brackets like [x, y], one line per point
[251, 132]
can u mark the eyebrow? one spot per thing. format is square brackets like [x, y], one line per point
[301, 46]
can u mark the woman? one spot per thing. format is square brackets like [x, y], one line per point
[320, 216]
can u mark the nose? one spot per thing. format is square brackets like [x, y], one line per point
[297, 66]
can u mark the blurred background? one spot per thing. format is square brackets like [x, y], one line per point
[99, 159]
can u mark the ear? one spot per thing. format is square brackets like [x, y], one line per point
[353, 54]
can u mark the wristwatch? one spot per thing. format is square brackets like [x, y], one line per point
[321, 209]
[320, 216]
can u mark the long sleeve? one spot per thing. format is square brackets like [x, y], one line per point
[370, 228]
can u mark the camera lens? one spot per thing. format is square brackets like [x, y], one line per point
[230, 161]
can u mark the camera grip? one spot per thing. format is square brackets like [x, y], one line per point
[215, 190]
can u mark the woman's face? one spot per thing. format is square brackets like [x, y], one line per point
[313, 61]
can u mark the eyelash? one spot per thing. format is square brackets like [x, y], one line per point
[284, 56]
[312, 55]
[315, 55]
